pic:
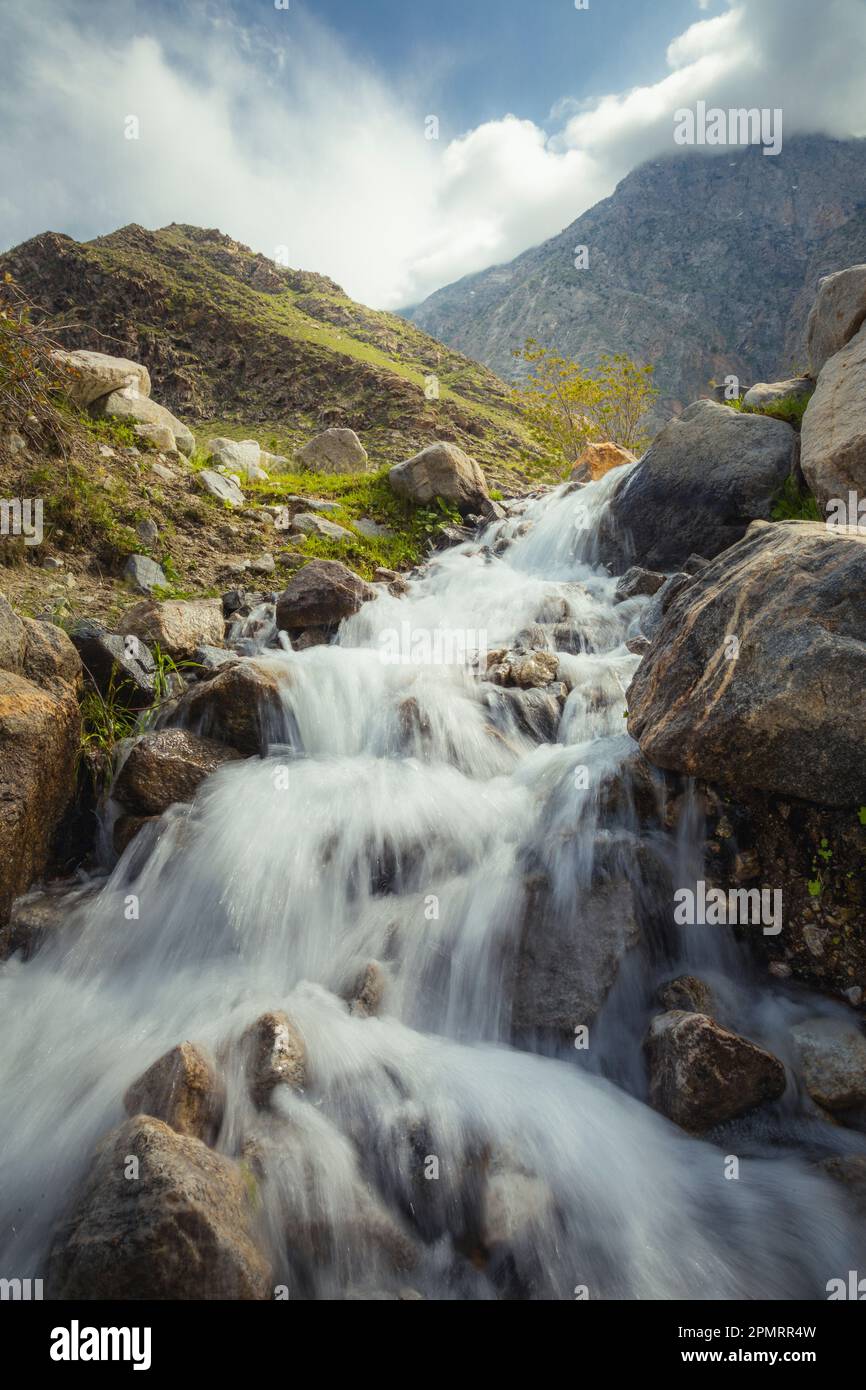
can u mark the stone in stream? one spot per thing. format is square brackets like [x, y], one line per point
[636, 582]
[596, 460]
[701, 1075]
[686, 994]
[833, 1058]
[168, 766]
[240, 706]
[527, 670]
[159, 1215]
[321, 594]
[39, 915]
[274, 1055]
[181, 1088]
[177, 626]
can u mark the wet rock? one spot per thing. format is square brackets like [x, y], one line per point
[144, 574]
[525, 669]
[274, 1056]
[209, 660]
[850, 1171]
[88, 376]
[38, 916]
[125, 830]
[166, 767]
[492, 511]
[240, 706]
[366, 997]
[441, 470]
[516, 1207]
[838, 314]
[686, 994]
[833, 1058]
[108, 656]
[637, 581]
[707, 475]
[786, 715]
[535, 713]
[598, 459]
[39, 740]
[702, 1075]
[177, 626]
[833, 457]
[321, 594]
[653, 616]
[183, 1090]
[182, 1229]
[334, 451]
[569, 957]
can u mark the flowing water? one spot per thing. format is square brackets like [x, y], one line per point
[396, 819]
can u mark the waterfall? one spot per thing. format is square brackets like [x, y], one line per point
[401, 816]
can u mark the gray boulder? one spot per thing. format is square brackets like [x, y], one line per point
[321, 595]
[833, 1058]
[108, 656]
[706, 476]
[144, 574]
[767, 393]
[130, 404]
[334, 451]
[178, 626]
[89, 375]
[309, 524]
[838, 313]
[757, 674]
[219, 486]
[441, 470]
[833, 437]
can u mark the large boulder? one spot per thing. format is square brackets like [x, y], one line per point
[701, 1075]
[39, 740]
[321, 594]
[50, 659]
[167, 767]
[707, 474]
[833, 436]
[183, 1089]
[159, 1215]
[241, 456]
[441, 470]
[334, 451]
[766, 394]
[833, 1059]
[177, 626]
[837, 315]
[568, 960]
[757, 675]
[129, 404]
[240, 707]
[598, 459]
[89, 376]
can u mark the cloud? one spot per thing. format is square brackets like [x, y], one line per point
[280, 137]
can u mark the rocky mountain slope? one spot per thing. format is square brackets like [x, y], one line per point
[701, 264]
[235, 342]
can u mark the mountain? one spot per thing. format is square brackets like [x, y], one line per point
[701, 264]
[233, 339]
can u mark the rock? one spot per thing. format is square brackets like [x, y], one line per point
[833, 1057]
[637, 581]
[274, 1056]
[366, 997]
[129, 404]
[785, 713]
[568, 961]
[49, 656]
[53, 563]
[163, 472]
[372, 529]
[144, 574]
[38, 916]
[702, 1075]
[535, 713]
[492, 511]
[92, 375]
[263, 564]
[13, 638]
[147, 532]
[515, 1207]
[166, 767]
[598, 459]
[308, 524]
[183, 1090]
[160, 436]
[334, 451]
[527, 670]
[107, 656]
[177, 626]
[39, 740]
[441, 470]
[653, 615]
[850, 1171]
[837, 315]
[125, 830]
[686, 994]
[220, 487]
[767, 393]
[321, 594]
[707, 474]
[240, 706]
[833, 437]
[243, 457]
[182, 1229]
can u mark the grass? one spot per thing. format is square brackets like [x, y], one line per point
[791, 409]
[792, 504]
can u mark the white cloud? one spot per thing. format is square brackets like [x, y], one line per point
[282, 138]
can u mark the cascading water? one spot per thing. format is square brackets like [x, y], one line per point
[397, 818]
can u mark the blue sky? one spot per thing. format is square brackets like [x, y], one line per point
[302, 132]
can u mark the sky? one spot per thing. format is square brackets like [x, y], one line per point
[394, 145]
